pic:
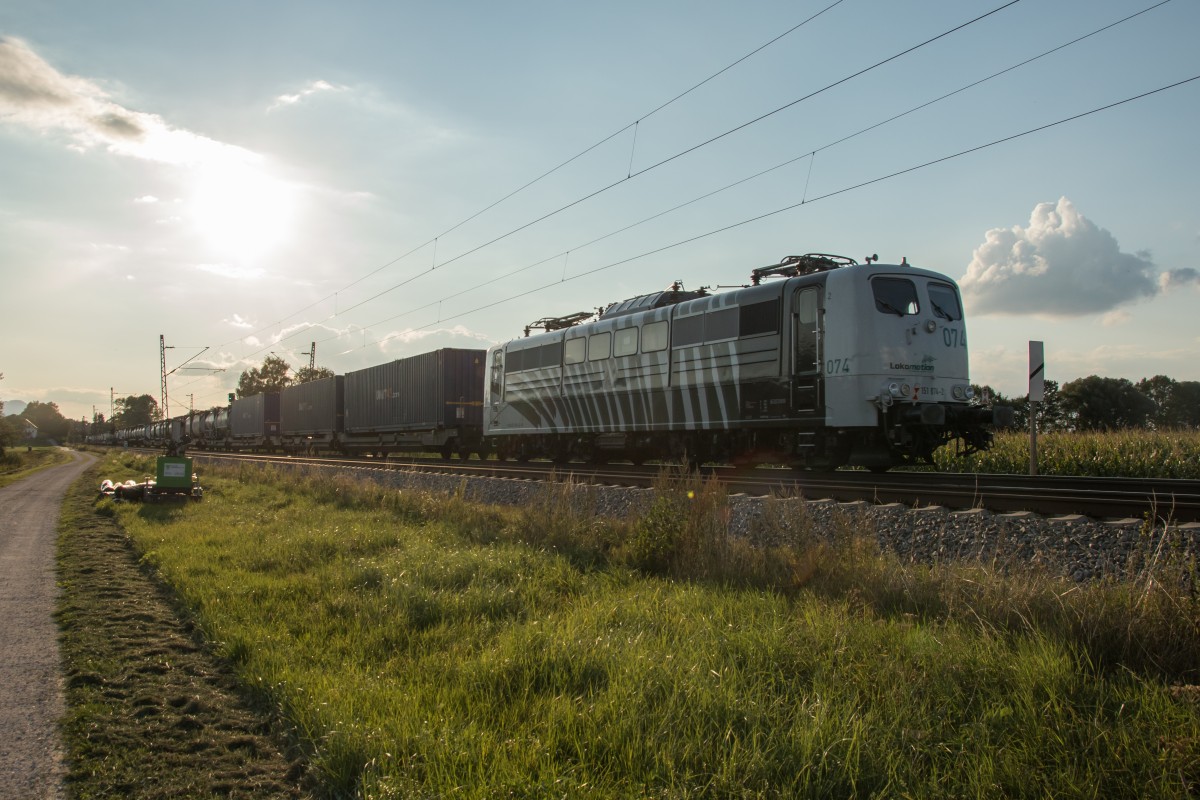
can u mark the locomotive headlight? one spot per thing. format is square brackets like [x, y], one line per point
[958, 393]
[930, 326]
[969, 393]
[894, 389]
[905, 389]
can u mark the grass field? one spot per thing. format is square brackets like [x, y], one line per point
[418, 646]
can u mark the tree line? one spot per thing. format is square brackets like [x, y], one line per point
[1104, 404]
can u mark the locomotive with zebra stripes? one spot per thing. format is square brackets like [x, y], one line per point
[819, 362]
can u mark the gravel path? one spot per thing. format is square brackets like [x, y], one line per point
[31, 701]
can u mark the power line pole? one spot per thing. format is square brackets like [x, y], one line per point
[312, 357]
[162, 361]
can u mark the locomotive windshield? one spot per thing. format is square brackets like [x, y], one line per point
[944, 300]
[895, 296]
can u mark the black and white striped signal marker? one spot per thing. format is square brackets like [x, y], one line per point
[1037, 372]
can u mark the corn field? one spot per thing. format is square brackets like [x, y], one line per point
[1128, 454]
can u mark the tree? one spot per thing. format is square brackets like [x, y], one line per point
[1176, 403]
[309, 374]
[51, 424]
[1183, 408]
[1095, 403]
[130, 412]
[271, 377]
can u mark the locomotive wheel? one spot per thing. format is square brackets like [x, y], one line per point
[446, 452]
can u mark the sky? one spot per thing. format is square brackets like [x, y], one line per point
[385, 179]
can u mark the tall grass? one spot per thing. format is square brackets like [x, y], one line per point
[423, 646]
[1129, 454]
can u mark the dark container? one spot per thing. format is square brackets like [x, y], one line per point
[442, 389]
[256, 415]
[314, 407]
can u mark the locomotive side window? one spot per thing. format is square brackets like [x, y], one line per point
[944, 301]
[689, 330]
[654, 337]
[757, 318]
[598, 346]
[895, 296]
[549, 355]
[721, 324]
[573, 350]
[626, 342]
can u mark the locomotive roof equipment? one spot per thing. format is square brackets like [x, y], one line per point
[807, 264]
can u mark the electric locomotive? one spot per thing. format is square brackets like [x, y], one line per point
[819, 362]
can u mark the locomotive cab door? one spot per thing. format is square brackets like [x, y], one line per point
[806, 351]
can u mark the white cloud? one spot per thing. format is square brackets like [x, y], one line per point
[1115, 318]
[285, 100]
[146, 199]
[1061, 265]
[238, 321]
[36, 95]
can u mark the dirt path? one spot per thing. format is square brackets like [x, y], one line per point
[31, 700]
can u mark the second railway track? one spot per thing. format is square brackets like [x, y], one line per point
[1160, 500]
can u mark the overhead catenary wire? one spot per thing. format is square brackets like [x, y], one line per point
[825, 196]
[550, 171]
[763, 172]
[844, 189]
[680, 154]
[793, 206]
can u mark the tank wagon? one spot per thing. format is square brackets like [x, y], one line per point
[820, 362]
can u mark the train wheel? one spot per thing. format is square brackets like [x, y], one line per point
[447, 451]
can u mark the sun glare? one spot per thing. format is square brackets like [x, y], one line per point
[242, 211]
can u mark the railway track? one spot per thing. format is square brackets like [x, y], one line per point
[1175, 501]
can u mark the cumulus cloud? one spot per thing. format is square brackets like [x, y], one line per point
[37, 96]
[1061, 264]
[285, 100]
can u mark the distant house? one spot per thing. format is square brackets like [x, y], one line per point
[29, 429]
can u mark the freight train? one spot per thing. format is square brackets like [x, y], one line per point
[819, 362]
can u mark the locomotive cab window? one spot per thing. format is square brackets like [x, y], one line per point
[944, 301]
[895, 296]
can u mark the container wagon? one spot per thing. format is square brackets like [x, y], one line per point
[428, 402]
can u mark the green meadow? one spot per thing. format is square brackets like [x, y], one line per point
[415, 645]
